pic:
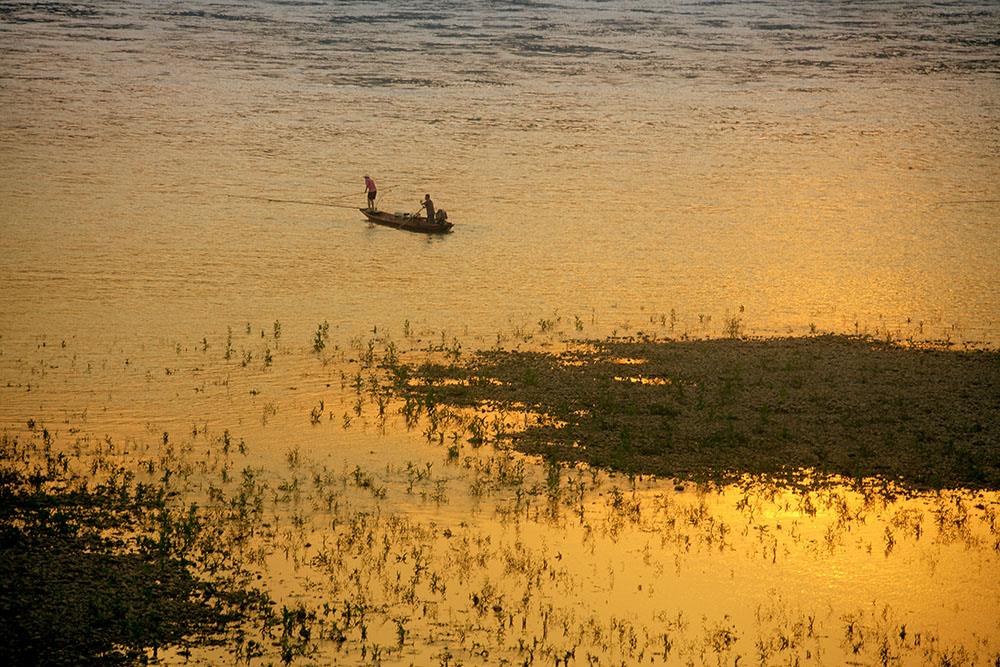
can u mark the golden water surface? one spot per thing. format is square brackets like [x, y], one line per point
[676, 169]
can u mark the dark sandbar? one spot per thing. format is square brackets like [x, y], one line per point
[716, 409]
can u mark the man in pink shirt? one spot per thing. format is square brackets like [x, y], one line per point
[370, 189]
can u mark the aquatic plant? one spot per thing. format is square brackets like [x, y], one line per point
[317, 413]
[133, 589]
[717, 407]
[734, 327]
[322, 337]
[468, 551]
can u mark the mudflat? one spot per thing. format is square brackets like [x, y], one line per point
[715, 409]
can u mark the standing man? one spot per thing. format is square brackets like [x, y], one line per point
[429, 205]
[370, 189]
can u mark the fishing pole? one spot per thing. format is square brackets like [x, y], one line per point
[354, 194]
[293, 201]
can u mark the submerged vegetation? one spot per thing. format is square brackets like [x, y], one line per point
[97, 565]
[373, 507]
[718, 409]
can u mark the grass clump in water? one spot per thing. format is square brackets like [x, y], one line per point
[716, 409]
[101, 571]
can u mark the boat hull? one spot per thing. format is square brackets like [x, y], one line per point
[410, 224]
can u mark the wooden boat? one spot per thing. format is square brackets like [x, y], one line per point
[411, 223]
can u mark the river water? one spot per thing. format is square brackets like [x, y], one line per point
[819, 164]
[673, 167]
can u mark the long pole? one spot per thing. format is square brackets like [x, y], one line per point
[968, 201]
[310, 203]
[293, 201]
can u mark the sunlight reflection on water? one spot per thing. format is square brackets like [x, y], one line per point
[594, 161]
